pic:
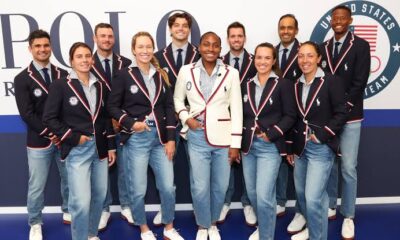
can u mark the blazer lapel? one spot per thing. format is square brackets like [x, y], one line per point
[55, 72]
[298, 91]
[251, 92]
[138, 79]
[292, 56]
[190, 54]
[37, 77]
[117, 63]
[267, 92]
[247, 61]
[195, 72]
[76, 87]
[169, 58]
[223, 72]
[314, 89]
[347, 45]
[98, 69]
[159, 86]
[99, 100]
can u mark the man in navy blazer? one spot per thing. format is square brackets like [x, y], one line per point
[178, 53]
[31, 91]
[287, 49]
[347, 56]
[240, 59]
[105, 67]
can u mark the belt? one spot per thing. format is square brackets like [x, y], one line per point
[150, 123]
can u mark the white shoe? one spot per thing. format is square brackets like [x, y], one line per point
[249, 215]
[157, 219]
[67, 218]
[297, 224]
[303, 235]
[127, 215]
[331, 213]
[213, 233]
[202, 234]
[172, 234]
[348, 229]
[224, 212]
[93, 238]
[280, 211]
[149, 235]
[105, 217]
[36, 232]
[255, 235]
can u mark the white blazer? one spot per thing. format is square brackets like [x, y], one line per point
[223, 114]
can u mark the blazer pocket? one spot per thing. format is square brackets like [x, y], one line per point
[224, 120]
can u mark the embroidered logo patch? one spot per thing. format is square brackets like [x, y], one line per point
[188, 86]
[245, 98]
[73, 101]
[134, 89]
[37, 92]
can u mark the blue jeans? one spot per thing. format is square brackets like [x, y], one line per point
[122, 189]
[311, 174]
[349, 143]
[260, 169]
[235, 169]
[39, 162]
[141, 150]
[209, 177]
[88, 186]
[281, 183]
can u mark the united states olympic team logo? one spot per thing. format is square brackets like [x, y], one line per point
[376, 25]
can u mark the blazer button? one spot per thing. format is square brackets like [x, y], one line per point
[253, 128]
[256, 118]
[304, 133]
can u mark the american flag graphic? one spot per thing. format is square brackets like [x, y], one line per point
[367, 32]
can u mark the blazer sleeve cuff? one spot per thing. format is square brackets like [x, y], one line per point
[236, 141]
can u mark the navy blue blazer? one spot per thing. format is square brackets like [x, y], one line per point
[129, 102]
[247, 70]
[119, 62]
[292, 70]
[67, 114]
[167, 62]
[353, 66]
[31, 93]
[325, 113]
[275, 115]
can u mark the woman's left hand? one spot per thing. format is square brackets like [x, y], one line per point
[169, 148]
[112, 156]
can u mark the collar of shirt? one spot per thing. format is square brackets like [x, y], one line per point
[319, 73]
[271, 75]
[219, 63]
[289, 48]
[175, 51]
[152, 71]
[341, 40]
[40, 67]
[231, 56]
[101, 58]
[92, 78]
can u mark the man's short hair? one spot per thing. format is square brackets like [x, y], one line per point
[38, 34]
[102, 25]
[343, 7]
[184, 15]
[289, 15]
[236, 25]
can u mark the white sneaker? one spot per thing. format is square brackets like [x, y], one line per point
[331, 213]
[224, 212]
[297, 224]
[67, 218]
[202, 234]
[255, 235]
[213, 233]
[172, 234]
[157, 219]
[36, 232]
[280, 211]
[303, 235]
[93, 238]
[126, 214]
[105, 217]
[348, 229]
[249, 215]
[149, 235]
